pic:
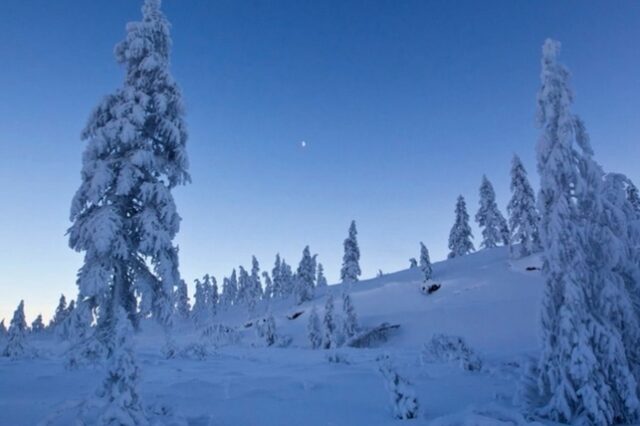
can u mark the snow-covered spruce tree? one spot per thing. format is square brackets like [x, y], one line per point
[200, 312]
[523, 215]
[84, 348]
[213, 297]
[351, 259]
[286, 277]
[3, 329]
[16, 345]
[425, 262]
[183, 307]
[413, 263]
[305, 277]
[350, 322]
[314, 329]
[37, 326]
[118, 397]
[276, 275]
[584, 373]
[268, 286]
[460, 235]
[269, 329]
[329, 324]
[124, 216]
[254, 289]
[229, 290]
[60, 313]
[321, 280]
[404, 402]
[244, 281]
[494, 227]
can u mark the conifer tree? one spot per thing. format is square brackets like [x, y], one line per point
[351, 259]
[633, 196]
[305, 277]
[16, 345]
[124, 215]
[413, 263]
[37, 326]
[287, 281]
[329, 338]
[425, 262]
[84, 347]
[60, 314]
[254, 290]
[183, 307]
[494, 226]
[350, 323]
[244, 281]
[314, 330]
[3, 329]
[460, 235]
[585, 374]
[268, 286]
[321, 280]
[200, 310]
[213, 297]
[118, 396]
[276, 275]
[523, 214]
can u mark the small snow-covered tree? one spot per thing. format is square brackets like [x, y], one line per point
[268, 329]
[37, 326]
[585, 374]
[494, 226]
[460, 235]
[425, 262]
[413, 263]
[124, 215]
[633, 196]
[84, 347]
[351, 259]
[213, 297]
[118, 396]
[350, 322]
[60, 314]
[329, 324]
[523, 214]
[16, 345]
[244, 281]
[3, 329]
[287, 279]
[314, 329]
[229, 290]
[276, 276]
[321, 280]
[404, 402]
[305, 277]
[268, 286]
[183, 307]
[254, 286]
[200, 312]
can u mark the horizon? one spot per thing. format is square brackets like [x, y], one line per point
[395, 123]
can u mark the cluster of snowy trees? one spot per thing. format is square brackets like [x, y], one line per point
[520, 233]
[334, 329]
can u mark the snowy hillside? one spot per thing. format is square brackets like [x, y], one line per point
[492, 303]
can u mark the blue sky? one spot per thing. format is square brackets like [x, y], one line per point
[403, 105]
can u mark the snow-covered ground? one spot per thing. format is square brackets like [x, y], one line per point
[485, 298]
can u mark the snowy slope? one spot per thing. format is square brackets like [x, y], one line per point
[484, 298]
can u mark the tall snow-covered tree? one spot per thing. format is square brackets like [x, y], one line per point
[124, 215]
[350, 322]
[329, 324]
[523, 215]
[268, 286]
[16, 345]
[118, 396]
[60, 314]
[425, 262]
[321, 280]
[213, 297]
[229, 290]
[254, 289]
[244, 281]
[633, 196]
[276, 275]
[460, 236]
[585, 374]
[287, 279]
[200, 312]
[494, 226]
[351, 259]
[305, 277]
[37, 326]
[183, 307]
[314, 329]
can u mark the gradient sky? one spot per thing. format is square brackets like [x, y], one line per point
[403, 105]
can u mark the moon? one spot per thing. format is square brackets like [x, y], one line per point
[303, 144]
